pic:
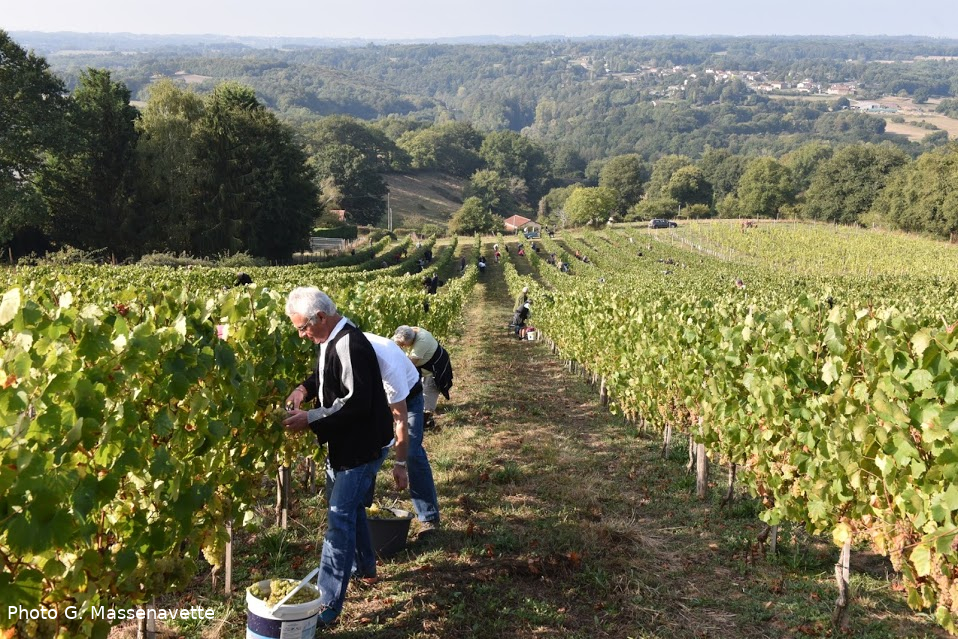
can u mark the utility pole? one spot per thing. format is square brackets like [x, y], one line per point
[389, 213]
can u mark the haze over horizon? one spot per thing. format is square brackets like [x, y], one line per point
[425, 19]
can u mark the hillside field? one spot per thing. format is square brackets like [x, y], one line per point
[418, 199]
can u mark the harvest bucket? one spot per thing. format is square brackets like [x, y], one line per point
[389, 535]
[531, 334]
[289, 621]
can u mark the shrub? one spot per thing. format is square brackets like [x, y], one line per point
[65, 256]
[430, 229]
[378, 234]
[171, 259]
[241, 259]
[697, 211]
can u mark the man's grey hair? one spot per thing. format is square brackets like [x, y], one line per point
[308, 301]
[404, 335]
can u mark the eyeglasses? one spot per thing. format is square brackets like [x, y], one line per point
[302, 328]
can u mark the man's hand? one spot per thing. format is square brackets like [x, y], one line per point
[297, 422]
[295, 398]
[401, 476]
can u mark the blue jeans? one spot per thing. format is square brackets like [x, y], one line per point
[347, 535]
[422, 488]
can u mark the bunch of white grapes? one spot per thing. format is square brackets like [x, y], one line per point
[279, 588]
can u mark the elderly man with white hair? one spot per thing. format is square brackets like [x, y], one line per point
[353, 418]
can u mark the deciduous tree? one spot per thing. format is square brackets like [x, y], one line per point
[590, 205]
[473, 218]
[167, 169]
[32, 108]
[765, 187]
[845, 186]
[625, 175]
[259, 194]
[362, 189]
[922, 196]
[89, 185]
[689, 186]
[662, 172]
[513, 155]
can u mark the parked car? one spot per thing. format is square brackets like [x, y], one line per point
[659, 223]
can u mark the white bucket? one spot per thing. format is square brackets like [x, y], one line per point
[531, 335]
[289, 621]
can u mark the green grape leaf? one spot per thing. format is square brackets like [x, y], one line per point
[125, 560]
[85, 496]
[841, 534]
[24, 589]
[9, 306]
[920, 341]
[921, 559]
[920, 379]
[829, 372]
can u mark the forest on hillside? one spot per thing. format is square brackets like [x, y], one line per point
[602, 97]
[222, 147]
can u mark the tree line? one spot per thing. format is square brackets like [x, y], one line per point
[862, 183]
[201, 175]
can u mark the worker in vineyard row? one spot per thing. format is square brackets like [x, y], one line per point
[432, 362]
[353, 419]
[521, 298]
[404, 391]
[519, 319]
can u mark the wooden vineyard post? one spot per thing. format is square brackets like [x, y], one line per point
[773, 540]
[730, 493]
[840, 613]
[603, 393]
[228, 559]
[667, 440]
[311, 476]
[146, 627]
[282, 497]
[701, 472]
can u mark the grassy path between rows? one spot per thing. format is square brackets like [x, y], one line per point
[561, 520]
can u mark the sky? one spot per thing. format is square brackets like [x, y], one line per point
[423, 19]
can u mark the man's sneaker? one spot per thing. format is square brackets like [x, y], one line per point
[427, 528]
[369, 580]
[327, 619]
[428, 422]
